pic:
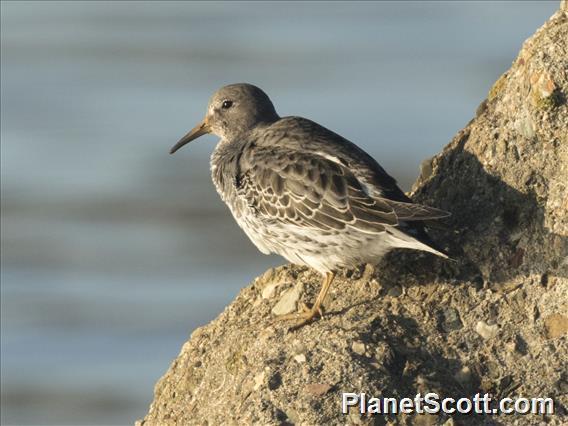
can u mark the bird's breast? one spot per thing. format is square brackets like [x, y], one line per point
[225, 175]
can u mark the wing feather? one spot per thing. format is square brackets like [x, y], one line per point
[310, 191]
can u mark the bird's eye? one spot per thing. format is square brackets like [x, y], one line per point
[227, 104]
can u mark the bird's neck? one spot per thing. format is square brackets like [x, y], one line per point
[224, 166]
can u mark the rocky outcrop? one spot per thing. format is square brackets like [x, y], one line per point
[494, 321]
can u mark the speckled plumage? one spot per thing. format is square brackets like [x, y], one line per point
[299, 190]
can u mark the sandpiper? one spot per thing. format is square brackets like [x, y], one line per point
[304, 192]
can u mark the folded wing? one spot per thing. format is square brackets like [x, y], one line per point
[309, 190]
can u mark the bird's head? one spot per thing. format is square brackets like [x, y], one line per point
[233, 111]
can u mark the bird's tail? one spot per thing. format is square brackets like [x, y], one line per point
[415, 237]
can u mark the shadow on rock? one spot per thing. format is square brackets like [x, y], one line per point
[496, 232]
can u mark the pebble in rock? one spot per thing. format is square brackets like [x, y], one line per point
[485, 330]
[287, 302]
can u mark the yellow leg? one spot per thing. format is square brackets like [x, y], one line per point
[306, 315]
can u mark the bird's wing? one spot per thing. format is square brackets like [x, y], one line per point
[308, 136]
[305, 189]
[410, 212]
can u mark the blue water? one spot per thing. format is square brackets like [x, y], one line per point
[112, 250]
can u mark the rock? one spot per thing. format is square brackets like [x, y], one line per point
[269, 290]
[426, 169]
[485, 330]
[300, 358]
[288, 301]
[259, 380]
[275, 381]
[318, 389]
[463, 376]
[504, 179]
[394, 291]
[562, 383]
[556, 325]
[450, 320]
[358, 348]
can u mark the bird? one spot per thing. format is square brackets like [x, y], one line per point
[304, 192]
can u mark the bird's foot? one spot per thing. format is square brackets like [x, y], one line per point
[303, 317]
